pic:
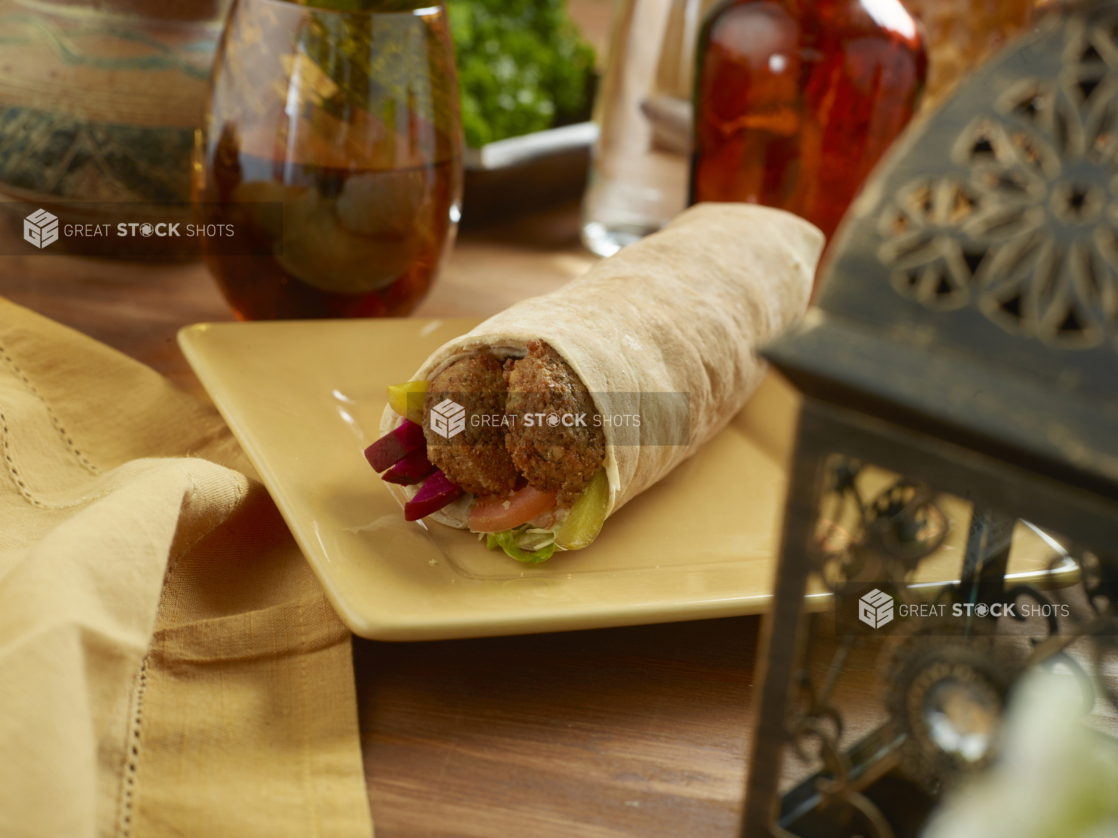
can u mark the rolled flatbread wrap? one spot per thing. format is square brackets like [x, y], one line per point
[679, 312]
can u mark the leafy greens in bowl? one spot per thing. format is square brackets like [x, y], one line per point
[522, 67]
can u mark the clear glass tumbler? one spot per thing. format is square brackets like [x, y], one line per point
[638, 180]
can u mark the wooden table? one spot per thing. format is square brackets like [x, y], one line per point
[636, 731]
[624, 732]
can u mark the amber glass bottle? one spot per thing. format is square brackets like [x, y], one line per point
[797, 99]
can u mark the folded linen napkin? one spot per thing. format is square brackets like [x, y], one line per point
[168, 663]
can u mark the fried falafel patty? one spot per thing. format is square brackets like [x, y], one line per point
[553, 457]
[476, 458]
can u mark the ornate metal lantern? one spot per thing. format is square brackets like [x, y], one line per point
[960, 378]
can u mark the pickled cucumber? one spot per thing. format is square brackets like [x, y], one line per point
[586, 516]
[407, 399]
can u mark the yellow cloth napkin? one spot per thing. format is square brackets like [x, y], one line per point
[168, 663]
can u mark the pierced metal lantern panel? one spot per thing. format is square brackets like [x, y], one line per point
[939, 659]
[894, 690]
[979, 266]
[1003, 204]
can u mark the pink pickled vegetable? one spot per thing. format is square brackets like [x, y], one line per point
[410, 470]
[395, 445]
[432, 496]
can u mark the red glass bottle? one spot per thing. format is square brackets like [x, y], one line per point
[796, 100]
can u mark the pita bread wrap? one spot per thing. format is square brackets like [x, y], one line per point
[681, 311]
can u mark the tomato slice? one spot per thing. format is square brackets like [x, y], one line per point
[503, 512]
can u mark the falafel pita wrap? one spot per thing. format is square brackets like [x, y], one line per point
[513, 429]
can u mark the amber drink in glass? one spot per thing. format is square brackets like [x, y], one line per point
[332, 143]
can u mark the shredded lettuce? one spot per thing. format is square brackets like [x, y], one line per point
[523, 543]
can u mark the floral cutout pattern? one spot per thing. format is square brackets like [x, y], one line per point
[1025, 226]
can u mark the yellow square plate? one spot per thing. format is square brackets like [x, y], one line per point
[305, 398]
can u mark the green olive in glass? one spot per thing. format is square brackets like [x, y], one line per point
[332, 143]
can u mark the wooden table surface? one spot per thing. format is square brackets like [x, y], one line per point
[623, 732]
[639, 731]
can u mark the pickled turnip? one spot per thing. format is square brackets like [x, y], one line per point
[395, 445]
[432, 496]
[412, 469]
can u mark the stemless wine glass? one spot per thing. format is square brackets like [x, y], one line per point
[349, 121]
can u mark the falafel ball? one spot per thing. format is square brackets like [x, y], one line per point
[474, 459]
[553, 457]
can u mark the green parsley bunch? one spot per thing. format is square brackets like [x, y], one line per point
[522, 66]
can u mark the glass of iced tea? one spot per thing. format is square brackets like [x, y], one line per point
[332, 148]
